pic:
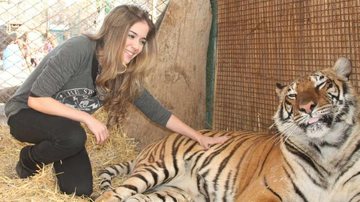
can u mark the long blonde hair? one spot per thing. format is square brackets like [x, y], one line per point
[120, 83]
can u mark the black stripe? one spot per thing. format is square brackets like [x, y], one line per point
[345, 110]
[355, 151]
[304, 157]
[174, 152]
[104, 187]
[240, 162]
[247, 153]
[118, 197]
[153, 174]
[354, 197]
[116, 170]
[271, 190]
[323, 183]
[160, 196]
[162, 164]
[353, 176]
[297, 190]
[130, 187]
[267, 156]
[224, 146]
[289, 166]
[227, 185]
[345, 87]
[188, 150]
[281, 112]
[128, 166]
[196, 160]
[314, 146]
[141, 177]
[350, 163]
[224, 163]
[106, 172]
[205, 187]
[173, 198]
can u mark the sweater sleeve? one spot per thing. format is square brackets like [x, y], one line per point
[152, 108]
[59, 66]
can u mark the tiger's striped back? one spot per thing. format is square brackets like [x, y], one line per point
[224, 171]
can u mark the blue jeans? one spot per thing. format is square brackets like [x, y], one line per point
[56, 140]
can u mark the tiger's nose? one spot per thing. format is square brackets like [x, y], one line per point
[308, 107]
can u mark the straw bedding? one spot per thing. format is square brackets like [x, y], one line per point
[43, 187]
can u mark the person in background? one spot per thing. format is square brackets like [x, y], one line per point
[13, 58]
[32, 46]
[74, 80]
[50, 43]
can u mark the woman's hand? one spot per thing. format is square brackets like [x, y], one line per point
[98, 129]
[178, 126]
[206, 141]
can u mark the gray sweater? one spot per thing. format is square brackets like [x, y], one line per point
[65, 74]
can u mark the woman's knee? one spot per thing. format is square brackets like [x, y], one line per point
[73, 139]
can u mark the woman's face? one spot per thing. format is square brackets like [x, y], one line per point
[135, 41]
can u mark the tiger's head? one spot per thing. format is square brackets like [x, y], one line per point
[319, 105]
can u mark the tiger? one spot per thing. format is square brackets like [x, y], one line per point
[312, 156]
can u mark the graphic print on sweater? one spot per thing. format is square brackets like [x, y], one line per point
[84, 99]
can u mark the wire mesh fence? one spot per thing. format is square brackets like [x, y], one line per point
[261, 43]
[30, 29]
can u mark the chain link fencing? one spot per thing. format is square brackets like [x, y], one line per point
[30, 29]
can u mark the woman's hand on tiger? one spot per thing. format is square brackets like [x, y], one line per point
[206, 142]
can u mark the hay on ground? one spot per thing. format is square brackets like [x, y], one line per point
[43, 187]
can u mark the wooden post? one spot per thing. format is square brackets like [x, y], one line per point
[178, 78]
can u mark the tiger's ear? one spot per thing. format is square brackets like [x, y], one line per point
[343, 67]
[279, 88]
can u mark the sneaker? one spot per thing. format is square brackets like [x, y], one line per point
[26, 166]
[23, 171]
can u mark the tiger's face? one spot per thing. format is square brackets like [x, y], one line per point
[316, 105]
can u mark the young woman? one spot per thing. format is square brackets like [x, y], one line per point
[75, 79]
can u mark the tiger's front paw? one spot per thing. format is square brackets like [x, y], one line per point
[108, 196]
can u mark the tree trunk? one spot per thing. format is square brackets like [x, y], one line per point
[178, 78]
